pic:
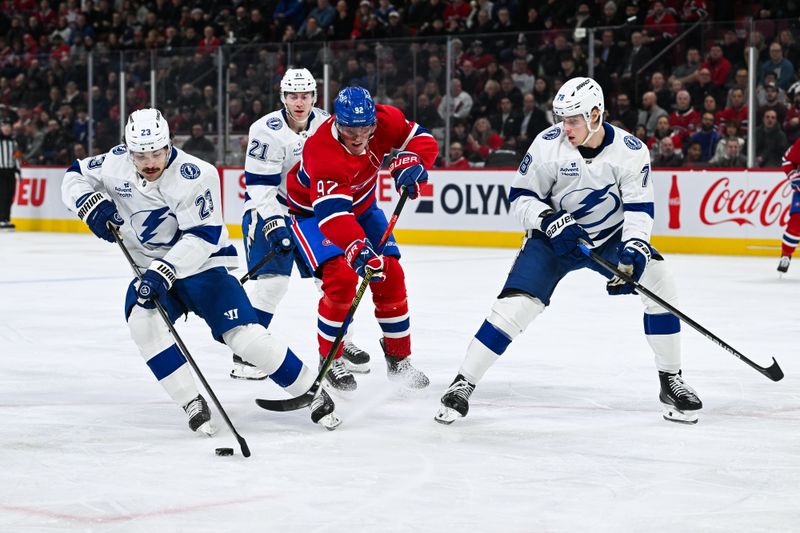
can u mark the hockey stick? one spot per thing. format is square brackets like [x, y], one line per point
[290, 404]
[773, 372]
[181, 345]
[266, 259]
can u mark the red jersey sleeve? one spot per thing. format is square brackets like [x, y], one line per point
[407, 135]
[791, 158]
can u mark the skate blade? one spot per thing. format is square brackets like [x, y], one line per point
[446, 415]
[248, 373]
[330, 421]
[207, 429]
[355, 368]
[671, 414]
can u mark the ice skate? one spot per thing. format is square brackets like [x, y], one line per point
[322, 411]
[355, 359]
[339, 377]
[783, 265]
[7, 226]
[679, 400]
[200, 416]
[455, 402]
[244, 370]
[400, 370]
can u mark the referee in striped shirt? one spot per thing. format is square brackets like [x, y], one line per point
[9, 170]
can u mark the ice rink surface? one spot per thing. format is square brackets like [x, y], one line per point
[564, 434]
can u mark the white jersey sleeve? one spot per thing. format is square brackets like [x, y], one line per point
[636, 188]
[82, 178]
[273, 149]
[532, 185]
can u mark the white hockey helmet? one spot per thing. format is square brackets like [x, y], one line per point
[146, 131]
[579, 96]
[298, 80]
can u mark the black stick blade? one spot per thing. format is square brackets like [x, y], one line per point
[243, 445]
[289, 404]
[774, 371]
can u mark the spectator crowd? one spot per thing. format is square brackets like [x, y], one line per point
[689, 105]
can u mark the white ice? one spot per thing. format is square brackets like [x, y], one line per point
[564, 434]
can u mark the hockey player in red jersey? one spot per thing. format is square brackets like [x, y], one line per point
[337, 223]
[791, 235]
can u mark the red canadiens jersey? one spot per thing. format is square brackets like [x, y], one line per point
[336, 186]
[791, 158]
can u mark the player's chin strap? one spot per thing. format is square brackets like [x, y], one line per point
[591, 131]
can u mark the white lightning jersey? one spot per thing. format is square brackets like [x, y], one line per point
[606, 192]
[273, 149]
[177, 218]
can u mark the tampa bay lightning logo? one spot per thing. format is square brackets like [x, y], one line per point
[96, 162]
[156, 228]
[591, 207]
[274, 123]
[632, 142]
[552, 134]
[190, 171]
[119, 150]
[526, 163]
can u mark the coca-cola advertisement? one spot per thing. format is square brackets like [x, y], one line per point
[725, 204]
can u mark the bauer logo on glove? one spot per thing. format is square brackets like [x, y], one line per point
[408, 172]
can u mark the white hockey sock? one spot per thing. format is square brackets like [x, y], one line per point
[267, 292]
[509, 317]
[661, 328]
[257, 346]
[162, 355]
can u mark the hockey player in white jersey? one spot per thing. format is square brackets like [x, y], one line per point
[274, 146]
[166, 204]
[581, 180]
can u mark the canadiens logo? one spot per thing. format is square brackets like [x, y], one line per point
[552, 134]
[190, 171]
[632, 142]
[327, 242]
[274, 123]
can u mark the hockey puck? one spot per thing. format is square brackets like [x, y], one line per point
[224, 451]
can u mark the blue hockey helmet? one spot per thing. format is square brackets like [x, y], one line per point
[354, 108]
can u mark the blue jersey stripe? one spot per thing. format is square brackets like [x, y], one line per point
[228, 251]
[75, 167]
[517, 192]
[643, 207]
[251, 178]
[210, 234]
[330, 206]
[303, 178]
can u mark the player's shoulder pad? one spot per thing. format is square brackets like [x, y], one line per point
[270, 125]
[631, 142]
[190, 167]
[552, 133]
[112, 159]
